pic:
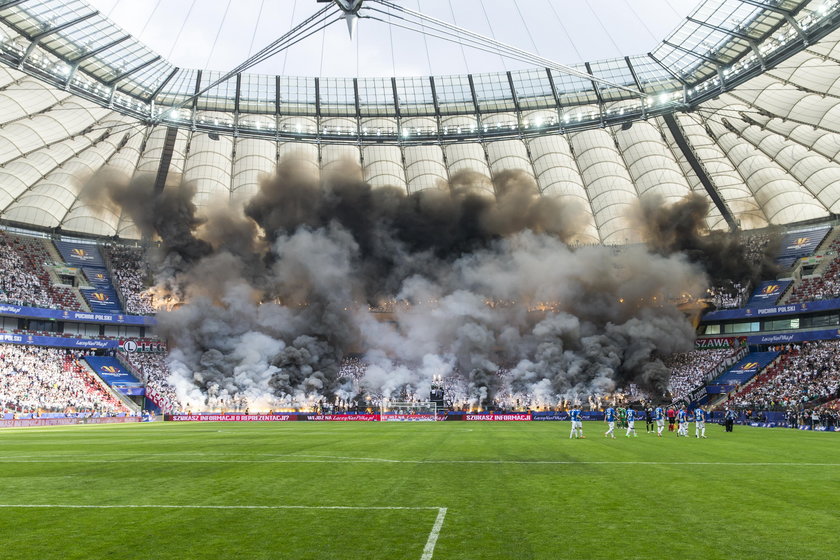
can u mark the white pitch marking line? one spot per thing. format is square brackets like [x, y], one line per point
[366, 460]
[429, 549]
[165, 506]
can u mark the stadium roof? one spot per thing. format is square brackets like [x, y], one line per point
[736, 104]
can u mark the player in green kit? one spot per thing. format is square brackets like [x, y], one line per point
[622, 417]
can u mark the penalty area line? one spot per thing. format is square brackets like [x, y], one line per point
[172, 506]
[67, 459]
[428, 549]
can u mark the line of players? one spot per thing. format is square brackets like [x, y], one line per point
[628, 418]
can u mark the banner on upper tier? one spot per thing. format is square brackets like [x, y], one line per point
[512, 417]
[57, 341]
[80, 316]
[141, 345]
[720, 343]
[752, 312]
[786, 338]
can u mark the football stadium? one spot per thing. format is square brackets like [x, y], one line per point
[497, 279]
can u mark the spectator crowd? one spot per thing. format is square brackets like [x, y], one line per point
[825, 286]
[34, 379]
[129, 272]
[153, 371]
[804, 374]
[690, 369]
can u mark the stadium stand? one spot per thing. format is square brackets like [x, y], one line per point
[730, 294]
[102, 297]
[151, 368]
[689, 370]
[128, 272]
[798, 244]
[803, 374]
[746, 368]
[826, 286]
[115, 374]
[767, 293]
[34, 379]
[24, 279]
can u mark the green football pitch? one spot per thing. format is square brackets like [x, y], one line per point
[444, 490]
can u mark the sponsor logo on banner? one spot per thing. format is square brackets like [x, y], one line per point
[719, 343]
[80, 254]
[232, 418]
[749, 367]
[513, 417]
[771, 289]
[799, 242]
[430, 417]
[110, 369]
[342, 417]
[99, 296]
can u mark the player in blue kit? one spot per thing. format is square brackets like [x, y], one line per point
[699, 423]
[631, 422]
[682, 421]
[609, 418]
[577, 424]
[659, 416]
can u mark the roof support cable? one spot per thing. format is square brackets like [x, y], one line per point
[565, 31]
[286, 54]
[447, 36]
[256, 28]
[323, 18]
[149, 20]
[492, 34]
[425, 41]
[603, 27]
[393, 54]
[454, 21]
[218, 33]
[181, 30]
[453, 33]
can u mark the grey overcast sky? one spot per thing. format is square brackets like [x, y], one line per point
[219, 34]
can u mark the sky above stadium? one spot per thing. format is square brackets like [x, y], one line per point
[219, 34]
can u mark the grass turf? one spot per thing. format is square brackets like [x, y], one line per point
[511, 490]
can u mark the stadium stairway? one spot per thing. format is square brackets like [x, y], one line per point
[827, 258]
[117, 376]
[133, 406]
[102, 297]
[738, 375]
[149, 402]
[795, 245]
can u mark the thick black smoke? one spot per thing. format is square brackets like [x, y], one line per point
[272, 296]
[681, 228]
